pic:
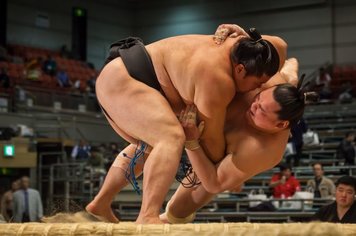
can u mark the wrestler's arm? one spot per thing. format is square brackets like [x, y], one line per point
[233, 169]
[212, 97]
[280, 45]
[228, 173]
[288, 74]
[231, 30]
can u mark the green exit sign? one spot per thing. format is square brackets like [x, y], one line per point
[9, 150]
[79, 12]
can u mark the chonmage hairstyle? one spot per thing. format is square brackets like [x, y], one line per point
[258, 56]
[293, 100]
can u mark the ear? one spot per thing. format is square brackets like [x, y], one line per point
[283, 124]
[239, 68]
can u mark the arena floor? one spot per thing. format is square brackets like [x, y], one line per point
[129, 228]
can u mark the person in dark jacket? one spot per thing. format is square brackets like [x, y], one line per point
[346, 149]
[343, 209]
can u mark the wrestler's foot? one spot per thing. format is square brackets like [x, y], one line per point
[102, 213]
[163, 218]
[148, 220]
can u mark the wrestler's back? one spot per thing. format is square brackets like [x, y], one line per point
[180, 61]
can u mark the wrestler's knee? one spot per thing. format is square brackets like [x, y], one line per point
[173, 137]
[177, 220]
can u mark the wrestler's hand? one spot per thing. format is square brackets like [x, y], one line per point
[228, 30]
[188, 120]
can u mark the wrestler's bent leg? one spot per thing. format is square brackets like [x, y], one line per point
[144, 114]
[114, 182]
[184, 203]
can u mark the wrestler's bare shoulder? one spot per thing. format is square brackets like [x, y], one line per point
[184, 41]
[247, 140]
[253, 154]
[189, 46]
[188, 59]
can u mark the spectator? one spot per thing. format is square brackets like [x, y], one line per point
[111, 154]
[96, 162]
[296, 139]
[345, 95]
[284, 184]
[3, 54]
[4, 78]
[27, 204]
[81, 151]
[96, 159]
[64, 52]
[91, 86]
[346, 149]
[7, 201]
[77, 86]
[33, 68]
[322, 186]
[63, 79]
[50, 66]
[311, 138]
[323, 79]
[343, 209]
[2, 219]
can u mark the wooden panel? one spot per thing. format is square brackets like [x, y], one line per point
[22, 159]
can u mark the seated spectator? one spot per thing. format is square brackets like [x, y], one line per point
[3, 54]
[63, 79]
[311, 138]
[97, 163]
[81, 151]
[7, 200]
[346, 149]
[96, 158]
[4, 78]
[33, 68]
[110, 155]
[322, 186]
[50, 66]
[323, 79]
[343, 209]
[91, 86]
[345, 95]
[2, 219]
[27, 203]
[64, 52]
[77, 86]
[296, 140]
[90, 65]
[284, 184]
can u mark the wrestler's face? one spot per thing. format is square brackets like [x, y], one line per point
[344, 195]
[263, 113]
[247, 83]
